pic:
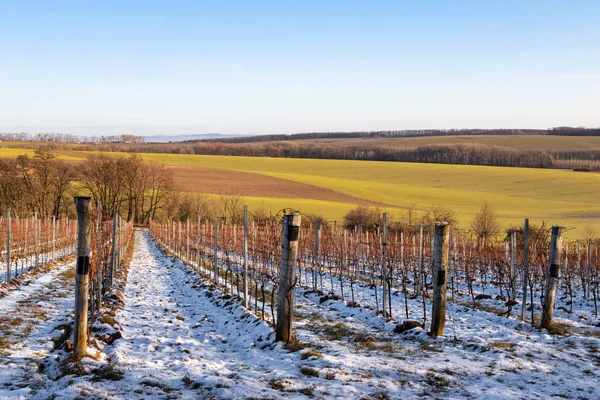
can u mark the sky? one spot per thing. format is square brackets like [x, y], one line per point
[251, 67]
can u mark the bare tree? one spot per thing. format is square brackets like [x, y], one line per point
[485, 224]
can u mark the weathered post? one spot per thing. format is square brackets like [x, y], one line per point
[552, 276]
[525, 268]
[287, 279]
[53, 237]
[187, 241]
[36, 234]
[115, 244]
[422, 277]
[84, 250]
[317, 254]
[440, 272]
[215, 251]
[513, 266]
[8, 244]
[199, 242]
[245, 256]
[383, 265]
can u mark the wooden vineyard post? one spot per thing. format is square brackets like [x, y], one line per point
[513, 266]
[525, 268]
[199, 242]
[8, 244]
[383, 265]
[317, 253]
[215, 251]
[115, 244]
[552, 276]
[422, 278]
[287, 277]
[36, 234]
[53, 237]
[440, 272]
[84, 244]
[245, 256]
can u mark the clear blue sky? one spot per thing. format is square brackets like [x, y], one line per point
[283, 67]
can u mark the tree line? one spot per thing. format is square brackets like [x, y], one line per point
[57, 137]
[45, 184]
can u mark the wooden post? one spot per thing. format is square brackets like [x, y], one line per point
[199, 242]
[440, 272]
[383, 265]
[215, 250]
[115, 244]
[8, 244]
[36, 229]
[53, 237]
[245, 256]
[513, 266]
[525, 268]
[552, 276]
[84, 244]
[287, 279]
[317, 253]
[187, 241]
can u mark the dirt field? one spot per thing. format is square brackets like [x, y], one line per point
[222, 181]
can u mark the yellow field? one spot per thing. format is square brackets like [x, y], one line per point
[561, 197]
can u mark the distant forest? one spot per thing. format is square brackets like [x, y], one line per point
[559, 131]
[286, 146]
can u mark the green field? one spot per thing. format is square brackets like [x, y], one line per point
[561, 197]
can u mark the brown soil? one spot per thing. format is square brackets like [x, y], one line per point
[222, 181]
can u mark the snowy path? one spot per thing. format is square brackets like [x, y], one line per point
[177, 343]
[31, 316]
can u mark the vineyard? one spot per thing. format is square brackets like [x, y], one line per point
[348, 266]
[26, 243]
[212, 309]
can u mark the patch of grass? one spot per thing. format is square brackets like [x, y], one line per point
[158, 385]
[109, 373]
[8, 323]
[27, 330]
[4, 343]
[388, 347]
[336, 331]
[437, 382]
[311, 353]
[294, 345]
[503, 345]
[379, 396]
[559, 329]
[71, 366]
[430, 347]
[276, 385]
[309, 371]
[307, 391]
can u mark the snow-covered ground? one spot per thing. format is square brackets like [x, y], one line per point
[183, 338]
[31, 317]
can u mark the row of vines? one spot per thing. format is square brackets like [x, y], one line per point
[348, 265]
[26, 243]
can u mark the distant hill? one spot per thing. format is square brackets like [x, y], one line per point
[184, 138]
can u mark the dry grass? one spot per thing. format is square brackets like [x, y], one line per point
[559, 329]
[295, 345]
[504, 345]
[309, 371]
[336, 331]
[311, 353]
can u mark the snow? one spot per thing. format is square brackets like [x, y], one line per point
[182, 338]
